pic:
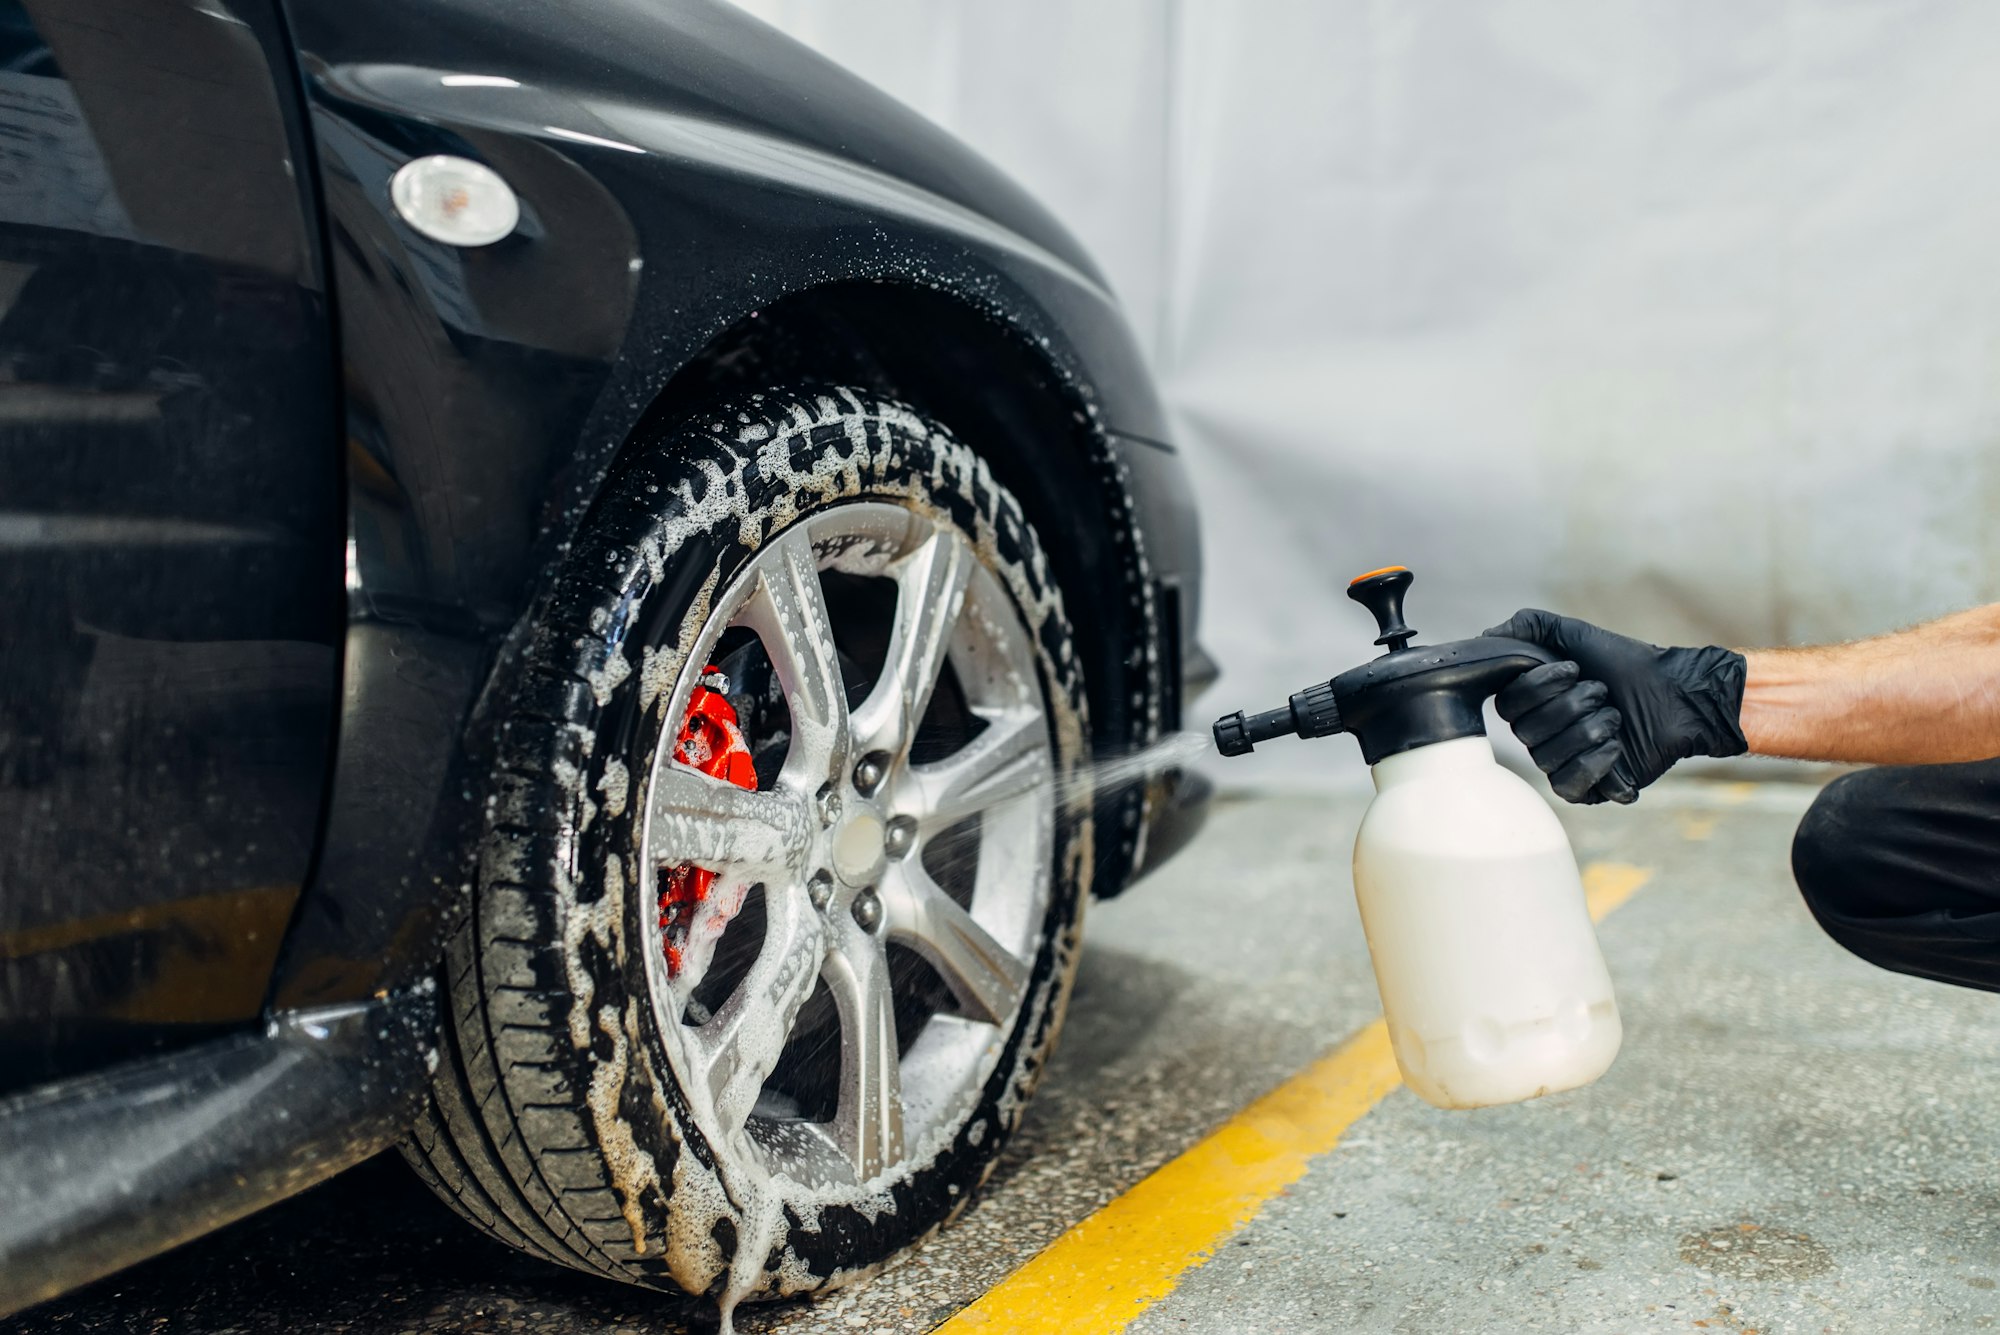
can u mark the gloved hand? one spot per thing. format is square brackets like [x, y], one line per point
[1663, 705]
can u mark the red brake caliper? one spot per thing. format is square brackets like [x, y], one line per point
[712, 742]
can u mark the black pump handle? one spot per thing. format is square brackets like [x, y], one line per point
[1381, 592]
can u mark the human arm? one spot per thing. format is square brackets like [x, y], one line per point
[1929, 695]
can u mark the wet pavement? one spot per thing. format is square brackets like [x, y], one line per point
[1791, 1140]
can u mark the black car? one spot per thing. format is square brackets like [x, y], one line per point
[563, 570]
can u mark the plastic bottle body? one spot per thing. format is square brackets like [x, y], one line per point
[1491, 977]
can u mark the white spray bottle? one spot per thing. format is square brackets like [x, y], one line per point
[1491, 980]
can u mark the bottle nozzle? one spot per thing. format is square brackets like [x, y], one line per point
[1237, 734]
[1309, 713]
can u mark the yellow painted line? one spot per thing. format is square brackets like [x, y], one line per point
[1696, 825]
[1100, 1275]
[1606, 885]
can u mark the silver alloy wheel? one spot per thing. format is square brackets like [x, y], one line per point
[837, 843]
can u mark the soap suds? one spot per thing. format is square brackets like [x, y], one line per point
[876, 446]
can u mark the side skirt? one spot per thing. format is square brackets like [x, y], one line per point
[106, 1170]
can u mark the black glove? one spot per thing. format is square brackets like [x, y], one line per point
[1664, 706]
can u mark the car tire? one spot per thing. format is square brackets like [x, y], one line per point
[592, 1104]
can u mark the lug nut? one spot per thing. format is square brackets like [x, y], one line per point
[902, 833]
[868, 910]
[868, 775]
[829, 804]
[820, 889]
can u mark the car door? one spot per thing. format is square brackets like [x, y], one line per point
[170, 544]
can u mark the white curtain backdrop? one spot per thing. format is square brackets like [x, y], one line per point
[1682, 315]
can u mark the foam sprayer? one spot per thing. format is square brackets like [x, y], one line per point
[1491, 979]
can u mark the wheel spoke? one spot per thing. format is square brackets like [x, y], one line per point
[986, 977]
[740, 1046]
[930, 594]
[714, 824]
[868, 1124]
[788, 611]
[712, 916]
[1009, 759]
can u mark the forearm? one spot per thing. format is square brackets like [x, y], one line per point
[1930, 695]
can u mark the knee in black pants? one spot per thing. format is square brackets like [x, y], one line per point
[1835, 846]
[1901, 866]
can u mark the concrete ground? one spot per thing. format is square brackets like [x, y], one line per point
[1791, 1140]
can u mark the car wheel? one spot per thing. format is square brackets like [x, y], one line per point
[784, 862]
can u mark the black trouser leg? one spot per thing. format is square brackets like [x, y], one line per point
[1901, 865]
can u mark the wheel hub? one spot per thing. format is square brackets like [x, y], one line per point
[859, 847]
